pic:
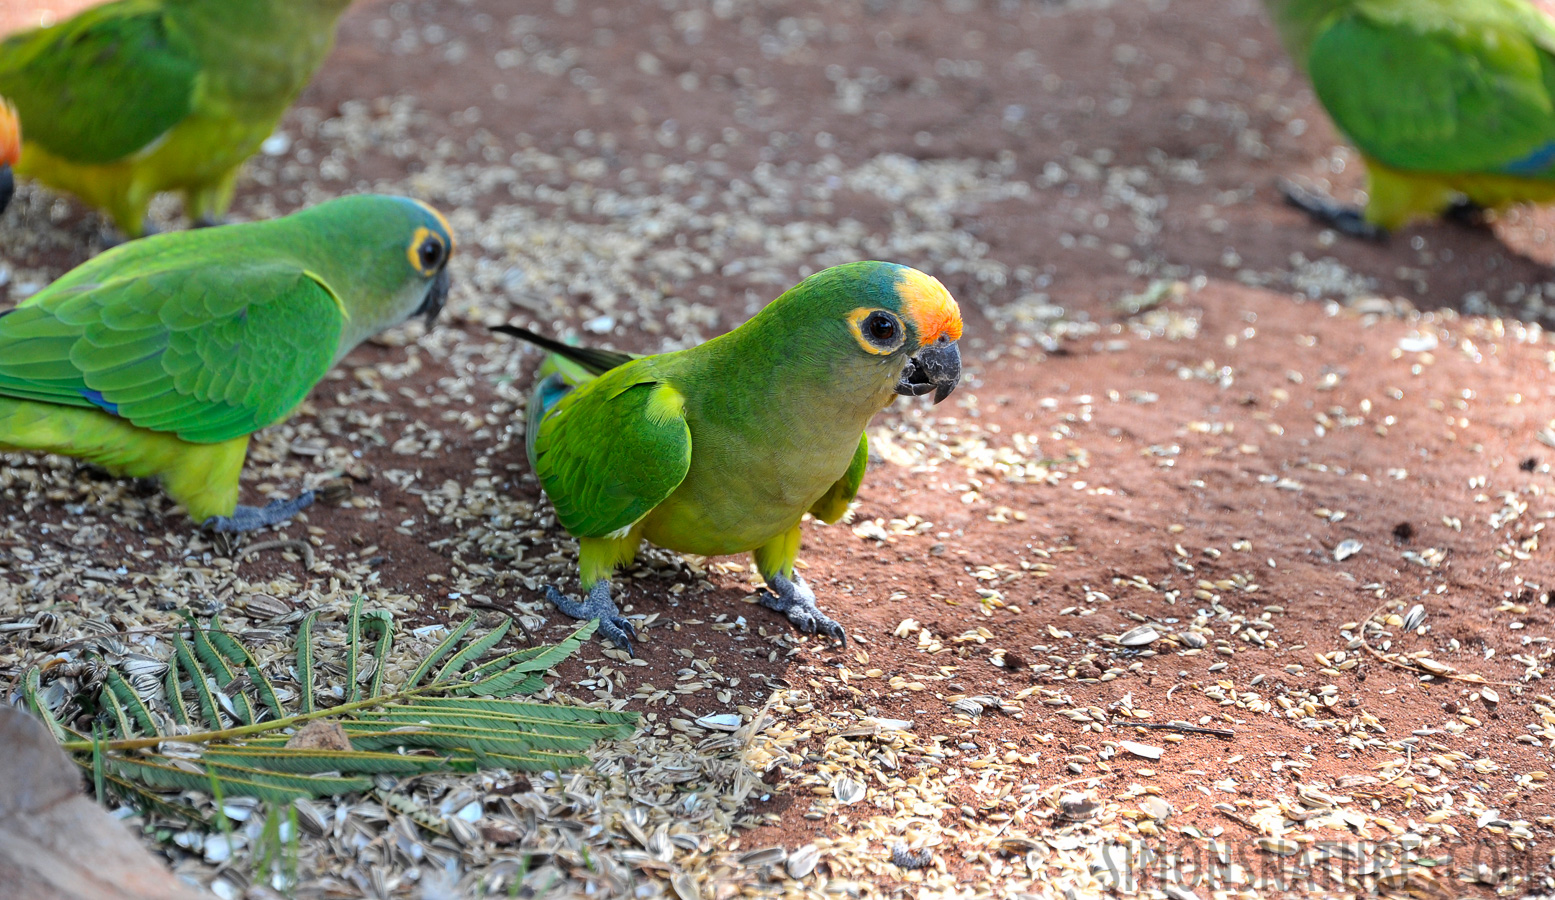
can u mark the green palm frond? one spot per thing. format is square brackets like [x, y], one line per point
[453, 714]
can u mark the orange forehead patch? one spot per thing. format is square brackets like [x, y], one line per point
[10, 134]
[931, 309]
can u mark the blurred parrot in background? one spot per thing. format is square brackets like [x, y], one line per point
[1450, 102]
[722, 448]
[135, 97]
[10, 151]
[161, 356]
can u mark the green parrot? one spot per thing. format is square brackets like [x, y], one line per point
[135, 97]
[1450, 102]
[722, 448]
[161, 356]
[10, 151]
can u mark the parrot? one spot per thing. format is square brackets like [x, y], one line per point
[135, 97]
[161, 356]
[10, 151]
[1451, 103]
[722, 448]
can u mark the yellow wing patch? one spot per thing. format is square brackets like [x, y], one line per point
[929, 306]
[665, 404]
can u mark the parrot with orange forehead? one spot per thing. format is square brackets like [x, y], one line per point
[10, 151]
[724, 447]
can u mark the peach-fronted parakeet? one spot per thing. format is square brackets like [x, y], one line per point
[135, 97]
[161, 356]
[723, 447]
[1450, 102]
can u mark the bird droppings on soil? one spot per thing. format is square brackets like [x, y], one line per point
[1221, 571]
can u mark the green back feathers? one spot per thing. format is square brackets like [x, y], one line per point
[1432, 86]
[102, 85]
[111, 81]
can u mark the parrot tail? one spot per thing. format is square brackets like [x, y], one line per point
[596, 361]
[202, 477]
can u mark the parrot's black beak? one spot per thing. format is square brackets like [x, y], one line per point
[437, 295]
[935, 368]
[7, 187]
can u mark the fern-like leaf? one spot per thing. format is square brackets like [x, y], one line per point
[475, 650]
[202, 690]
[353, 648]
[307, 762]
[174, 696]
[239, 654]
[136, 707]
[305, 659]
[380, 621]
[32, 693]
[443, 648]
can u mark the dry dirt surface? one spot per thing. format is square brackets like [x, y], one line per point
[1221, 575]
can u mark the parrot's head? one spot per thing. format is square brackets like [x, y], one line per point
[387, 257]
[883, 326]
[10, 150]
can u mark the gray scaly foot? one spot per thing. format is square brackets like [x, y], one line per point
[598, 605]
[795, 600]
[249, 518]
[1328, 211]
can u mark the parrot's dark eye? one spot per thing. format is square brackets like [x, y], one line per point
[880, 327]
[430, 254]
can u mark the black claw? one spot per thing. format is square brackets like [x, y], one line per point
[1327, 211]
[795, 600]
[613, 626]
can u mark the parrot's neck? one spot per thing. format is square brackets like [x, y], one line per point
[784, 385]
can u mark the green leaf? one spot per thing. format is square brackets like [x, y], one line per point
[32, 692]
[474, 651]
[239, 654]
[173, 695]
[381, 621]
[202, 690]
[121, 721]
[187, 776]
[311, 785]
[353, 648]
[305, 659]
[440, 651]
[131, 701]
[206, 651]
[303, 762]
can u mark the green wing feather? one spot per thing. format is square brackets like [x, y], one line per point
[203, 352]
[611, 450]
[834, 503]
[1422, 88]
[101, 86]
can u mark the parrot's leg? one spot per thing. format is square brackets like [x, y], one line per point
[597, 605]
[207, 205]
[795, 600]
[1467, 213]
[1328, 211]
[249, 518]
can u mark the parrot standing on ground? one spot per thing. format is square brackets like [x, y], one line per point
[10, 151]
[135, 97]
[723, 447]
[1450, 102]
[161, 356]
